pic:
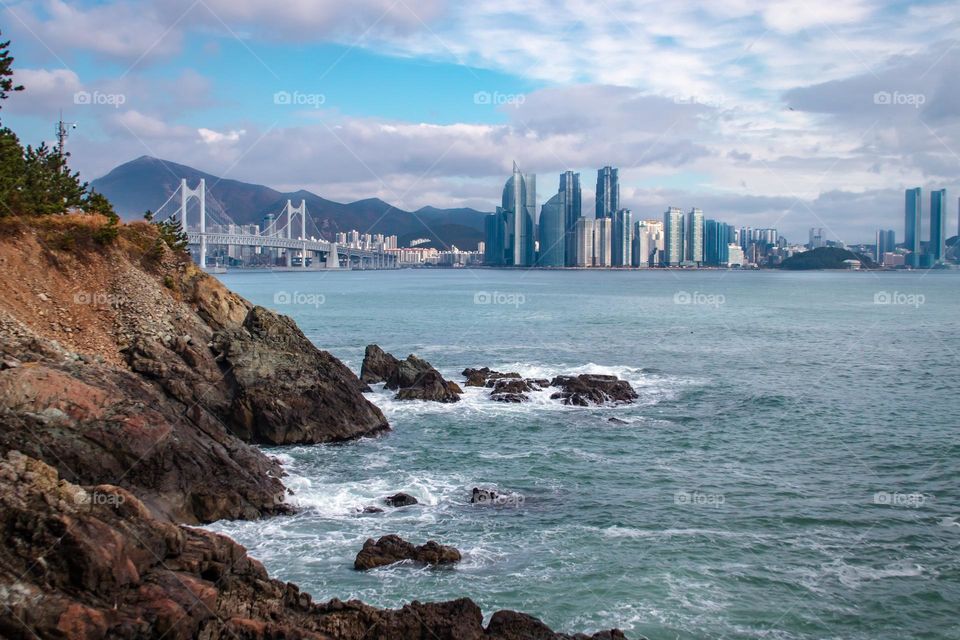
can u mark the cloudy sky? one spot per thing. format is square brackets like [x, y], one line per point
[786, 113]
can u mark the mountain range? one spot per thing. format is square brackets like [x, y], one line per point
[147, 182]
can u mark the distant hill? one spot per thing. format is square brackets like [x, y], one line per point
[145, 183]
[824, 258]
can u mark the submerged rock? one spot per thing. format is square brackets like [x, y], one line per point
[590, 388]
[392, 548]
[400, 500]
[482, 496]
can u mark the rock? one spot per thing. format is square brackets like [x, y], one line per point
[400, 500]
[484, 377]
[589, 388]
[91, 562]
[392, 548]
[509, 397]
[43, 297]
[617, 421]
[372, 509]
[483, 496]
[378, 365]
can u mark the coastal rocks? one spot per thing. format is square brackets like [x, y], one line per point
[400, 500]
[591, 388]
[481, 377]
[413, 378]
[285, 390]
[392, 548]
[91, 562]
[482, 496]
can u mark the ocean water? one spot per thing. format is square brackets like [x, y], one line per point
[790, 470]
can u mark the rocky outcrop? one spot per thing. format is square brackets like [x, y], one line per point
[400, 500]
[591, 388]
[391, 549]
[480, 377]
[91, 562]
[413, 378]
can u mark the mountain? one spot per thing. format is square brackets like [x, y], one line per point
[147, 182]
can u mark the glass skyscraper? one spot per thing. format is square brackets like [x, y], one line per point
[694, 231]
[911, 225]
[571, 204]
[717, 237]
[520, 206]
[622, 249]
[495, 233]
[608, 192]
[553, 233]
[673, 237]
[938, 225]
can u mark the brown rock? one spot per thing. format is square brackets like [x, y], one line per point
[391, 549]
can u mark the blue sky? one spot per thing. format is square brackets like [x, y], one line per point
[767, 114]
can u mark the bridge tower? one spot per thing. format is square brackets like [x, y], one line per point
[301, 211]
[200, 193]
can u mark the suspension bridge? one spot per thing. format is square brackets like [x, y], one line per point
[283, 236]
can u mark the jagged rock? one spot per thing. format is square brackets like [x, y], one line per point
[413, 378]
[485, 376]
[400, 500]
[590, 388]
[91, 562]
[378, 365]
[391, 549]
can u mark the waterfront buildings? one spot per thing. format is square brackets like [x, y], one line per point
[647, 243]
[584, 242]
[886, 243]
[911, 225]
[622, 254]
[673, 239]
[694, 238]
[717, 237]
[512, 226]
[603, 242]
[553, 233]
[608, 192]
[937, 248]
[571, 204]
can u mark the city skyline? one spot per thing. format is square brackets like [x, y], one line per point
[760, 115]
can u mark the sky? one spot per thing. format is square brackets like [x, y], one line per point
[784, 113]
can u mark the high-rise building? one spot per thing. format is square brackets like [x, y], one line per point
[886, 243]
[673, 237]
[608, 192]
[622, 238]
[603, 242]
[571, 204]
[717, 237]
[584, 242]
[938, 225]
[647, 243]
[816, 238]
[552, 233]
[519, 208]
[694, 237]
[735, 255]
[495, 238]
[911, 225]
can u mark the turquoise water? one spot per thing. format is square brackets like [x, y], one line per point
[790, 470]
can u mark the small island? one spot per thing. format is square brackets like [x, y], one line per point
[827, 258]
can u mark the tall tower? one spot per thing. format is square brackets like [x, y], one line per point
[911, 224]
[552, 232]
[674, 237]
[938, 225]
[520, 206]
[571, 204]
[608, 192]
[694, 229]
[622, 238]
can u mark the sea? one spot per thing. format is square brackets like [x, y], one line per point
[789, 471]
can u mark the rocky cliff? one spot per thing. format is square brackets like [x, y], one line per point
[131, 387]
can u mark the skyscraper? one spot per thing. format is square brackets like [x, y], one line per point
[694, 237]
[571, 209]
[622, 238]
[495, 233]
[673, 240]
[911, 225]
[603, 242]
[717, 237]
[608, 192]
[584, 244]
[886, 243]
[552, 233]
[520, 205]
[938, 225]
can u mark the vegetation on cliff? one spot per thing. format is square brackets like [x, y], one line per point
[824, 258]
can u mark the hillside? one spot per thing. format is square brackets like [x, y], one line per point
[145, 183]
[823, 258]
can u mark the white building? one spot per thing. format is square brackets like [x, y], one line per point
[584, 238]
